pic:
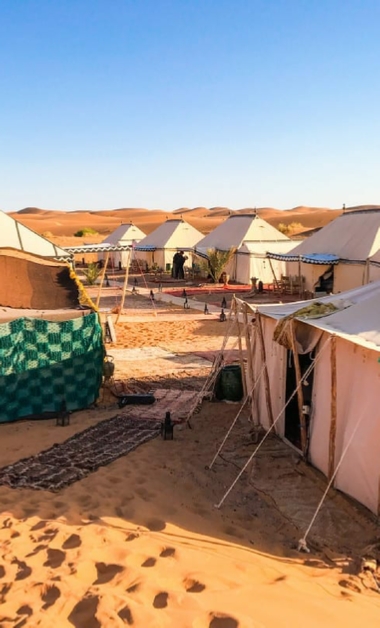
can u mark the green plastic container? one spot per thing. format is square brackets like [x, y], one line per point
[229, 384]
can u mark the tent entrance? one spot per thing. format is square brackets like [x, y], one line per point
[292, 418]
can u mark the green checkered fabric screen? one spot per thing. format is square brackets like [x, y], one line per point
[45, 363]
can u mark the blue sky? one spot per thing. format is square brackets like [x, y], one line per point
[166, 104]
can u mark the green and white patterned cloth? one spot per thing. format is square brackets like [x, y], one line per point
[44, 364]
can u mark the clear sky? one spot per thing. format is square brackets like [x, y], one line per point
[173, 103]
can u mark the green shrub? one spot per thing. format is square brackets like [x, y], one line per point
[85, 232]
[91, 273]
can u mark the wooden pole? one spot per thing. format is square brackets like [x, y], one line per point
[124, 289]
[274, 275]
[332, 439]
[248, 345]
[299, 389]
[241, 359]
[266, 375]
[102, 278]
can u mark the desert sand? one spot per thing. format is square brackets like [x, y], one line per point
[139, 542]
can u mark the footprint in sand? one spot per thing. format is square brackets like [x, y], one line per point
[37, 549]
[50, 596]
[161, 600]
[38, 526]
[126, 615]
[149, 562]
[156, 525]
[194, 586]
[106, 572]
[222, 621]
[133, 588]
[72, 542]
[347, 584]
[131, 536]
[23, 571]
[55, 558]
[84, 613]
[167, 552]
[49, 535]
[25, 610]
[4, 591]
[2, 571]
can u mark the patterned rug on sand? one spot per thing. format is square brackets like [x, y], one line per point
[81, 454]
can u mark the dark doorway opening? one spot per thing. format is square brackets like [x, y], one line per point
[292, 418]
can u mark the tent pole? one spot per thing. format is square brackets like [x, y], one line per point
[266, 375]
[333, 408]
[300, 277]
[243, 373]
[274, 275]
[248, 345]
[299, 389]
[124, 289]
[102, 278]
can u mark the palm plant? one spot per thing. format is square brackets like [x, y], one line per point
[91, 273]
[217, 261]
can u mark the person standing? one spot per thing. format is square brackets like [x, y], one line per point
[179, 260]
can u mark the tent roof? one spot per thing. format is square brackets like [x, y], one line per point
[125, 234]
[239, 228]
[353, 236]
[356, 319]
[15, 235]
[173, 233]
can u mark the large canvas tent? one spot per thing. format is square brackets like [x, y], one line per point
[342, 249]
[51, 340]
[15, 235]
[160, 246]
[125, 235]
[332, 414]
[251, 237]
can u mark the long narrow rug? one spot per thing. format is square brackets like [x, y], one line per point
[81, 454]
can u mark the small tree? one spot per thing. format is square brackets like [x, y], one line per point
[91, 273]
[87, 231]
[217, 262]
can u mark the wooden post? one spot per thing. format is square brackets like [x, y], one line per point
[102, 278]
[124, 290]
[332, 439]
[299, 388]
[248, 345]
[266, 375]
[275, 282]
[241, 359]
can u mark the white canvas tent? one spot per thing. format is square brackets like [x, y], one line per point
[252, 237]
[160, 246]
[343, 246]
[337, 406]
[16, 236]
[125, 235]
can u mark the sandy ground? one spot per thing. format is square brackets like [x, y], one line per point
[140, 541]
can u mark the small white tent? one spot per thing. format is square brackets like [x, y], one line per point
[334, 415]
[16, 236]
[252, 237]
[160, 246]
[342, 248]
[124, 235]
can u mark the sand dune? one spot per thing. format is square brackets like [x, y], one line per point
[61, 223]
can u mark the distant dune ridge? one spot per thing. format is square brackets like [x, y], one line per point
[63, 224]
